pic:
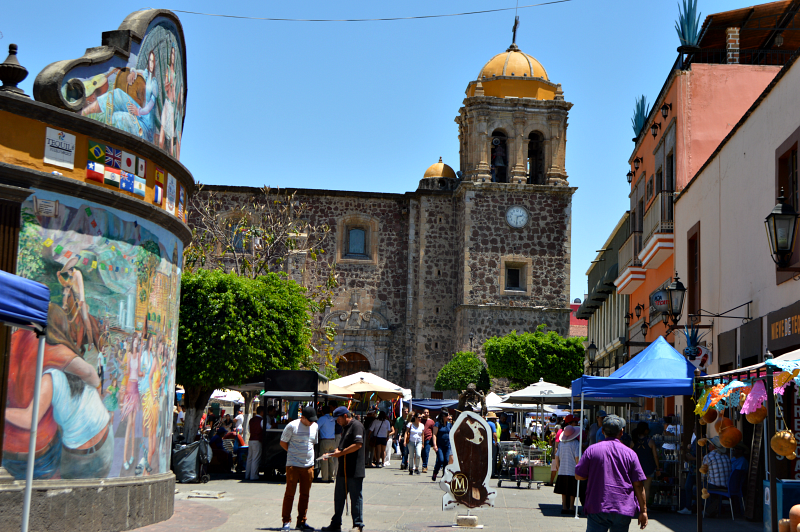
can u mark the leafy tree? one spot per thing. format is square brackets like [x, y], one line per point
[464, 368]
[266, 232]
[233, 328]
[29, 262]
[524, 358]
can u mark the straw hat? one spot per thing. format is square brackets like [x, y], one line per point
[491, 415]
[570, 433]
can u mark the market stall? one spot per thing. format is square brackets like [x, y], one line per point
[750, 392]
[658, 371]
[24, 305]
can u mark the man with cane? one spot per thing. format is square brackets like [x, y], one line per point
[351, 472]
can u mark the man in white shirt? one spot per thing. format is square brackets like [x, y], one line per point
[298, 441]
[239, 419]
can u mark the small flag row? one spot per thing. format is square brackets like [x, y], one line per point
[115, 177]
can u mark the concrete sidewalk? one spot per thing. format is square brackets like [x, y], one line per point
[394, 501]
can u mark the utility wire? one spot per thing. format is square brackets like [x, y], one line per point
[370, 19]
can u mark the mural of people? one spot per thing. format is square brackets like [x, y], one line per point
[143, 95]
[109, 367]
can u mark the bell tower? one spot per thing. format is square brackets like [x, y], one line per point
[512, 127]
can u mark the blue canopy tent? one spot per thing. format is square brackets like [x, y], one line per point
[24, 304]
[658, 371]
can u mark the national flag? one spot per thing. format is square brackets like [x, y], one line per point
[139, 186]
[126, 181]
[113, 157]
[141, 167]
[111, 176]
[128, 162]
[59, 249]
[47, 243]
[97, 152]
[159, 176]
[95, 171]
[158, 195]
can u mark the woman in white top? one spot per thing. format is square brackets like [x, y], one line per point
[414, 443]
[380, 430]
[569, 452]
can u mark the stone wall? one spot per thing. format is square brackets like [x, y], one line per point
[90, 505]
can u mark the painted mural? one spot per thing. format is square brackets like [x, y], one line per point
[109, 366]
[143, 95]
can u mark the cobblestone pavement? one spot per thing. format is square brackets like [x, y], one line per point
[397, 502]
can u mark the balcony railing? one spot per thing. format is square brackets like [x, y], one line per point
[629, 252]
[659, 217]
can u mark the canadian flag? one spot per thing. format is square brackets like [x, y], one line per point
[128, 162]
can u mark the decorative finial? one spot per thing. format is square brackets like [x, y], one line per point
[514, 31]
[11, 72]
[440, 159]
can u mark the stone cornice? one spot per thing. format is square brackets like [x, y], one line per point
[515, 307]
[14, 194]
[466, 186]
[19, 176]
[478, 103]
[61, 119]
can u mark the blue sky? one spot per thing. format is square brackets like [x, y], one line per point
[370, 105]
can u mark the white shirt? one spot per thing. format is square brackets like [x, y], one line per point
[81, 417]
[415, 433]
[301, 440]
[239, 419]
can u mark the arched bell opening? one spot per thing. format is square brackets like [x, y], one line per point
[536, 158]
[499, 157]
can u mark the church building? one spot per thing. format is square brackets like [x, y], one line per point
[470, 254]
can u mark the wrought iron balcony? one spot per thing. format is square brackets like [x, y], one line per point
[629, 251]
[659, 217]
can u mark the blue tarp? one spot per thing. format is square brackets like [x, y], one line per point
[24, 302]
[658, 371]
[432, 404]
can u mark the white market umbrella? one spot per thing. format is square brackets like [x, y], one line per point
[371, 378]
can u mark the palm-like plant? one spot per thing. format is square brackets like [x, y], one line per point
[688, 23]
[640, 112]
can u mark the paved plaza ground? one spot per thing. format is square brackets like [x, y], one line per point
[393, 501]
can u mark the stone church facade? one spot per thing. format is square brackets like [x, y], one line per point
[468, 255]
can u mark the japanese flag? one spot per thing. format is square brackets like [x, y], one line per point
[141, 167]
[128, 162]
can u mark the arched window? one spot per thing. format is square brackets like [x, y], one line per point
[499, 157]
[535, 158]
[352, 363]
[356, 241]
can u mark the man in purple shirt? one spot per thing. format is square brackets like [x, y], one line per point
[614, 487]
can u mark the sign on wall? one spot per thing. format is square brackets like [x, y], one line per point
[783, 328]
[59, 148]
[659, 302]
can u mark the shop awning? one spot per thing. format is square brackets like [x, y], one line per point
[24, 302]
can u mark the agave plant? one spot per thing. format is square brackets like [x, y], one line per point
[688, 23]
[693, 338]
[640, 112]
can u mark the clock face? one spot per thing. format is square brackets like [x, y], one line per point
[517, 217]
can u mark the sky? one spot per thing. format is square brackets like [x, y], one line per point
[370, 105]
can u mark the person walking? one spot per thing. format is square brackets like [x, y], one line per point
[719, 470]
[646, 451]
[298, 440]
[379, 433]
[595, 427]
[441, 442]
[614, 482]
[256, 428]
[400, 436]
[351, 472]
[569, 451]
[414, 436]
[427, 436]
[327, 443]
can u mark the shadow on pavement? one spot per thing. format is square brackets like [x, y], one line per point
[550, 510]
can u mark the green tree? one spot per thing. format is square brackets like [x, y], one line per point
[525, 358]
[29, 262]
[234, 328]
[464, 368]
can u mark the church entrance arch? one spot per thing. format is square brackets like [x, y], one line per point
[350, 363]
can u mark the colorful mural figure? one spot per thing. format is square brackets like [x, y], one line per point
[109, 367]
[143, 96]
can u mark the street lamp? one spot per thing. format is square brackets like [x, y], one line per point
[630, 177]
[628, 317]
[665, 109]
[636, 163]
[591, 353]
[781, 227]
[654, 128]
[638, 310]
[676, 293]
[645, 326]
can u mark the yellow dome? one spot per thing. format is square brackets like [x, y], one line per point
[439, 170]
[512, 62]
